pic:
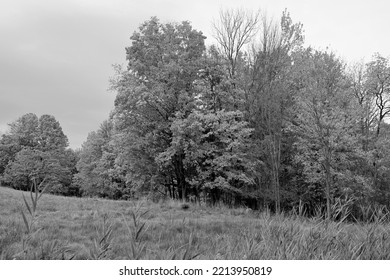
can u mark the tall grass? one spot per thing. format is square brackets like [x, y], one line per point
[101, 245]
[136, 229]
[102, 229]
[29, 217]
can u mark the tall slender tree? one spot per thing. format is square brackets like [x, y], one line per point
[324, 124]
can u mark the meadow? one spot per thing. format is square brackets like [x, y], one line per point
[88, 228]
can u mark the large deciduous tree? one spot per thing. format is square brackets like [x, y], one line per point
[49, 135]
[163, 63]
[34, 149]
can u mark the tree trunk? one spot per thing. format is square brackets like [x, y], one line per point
[180, 177]
[275, 147]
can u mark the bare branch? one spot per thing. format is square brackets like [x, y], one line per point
[235, 29]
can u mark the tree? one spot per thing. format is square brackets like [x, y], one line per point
[381, 187]
[378, 84]
[371, 84]
[31, 164]
[88, 178]
[214, 147]
[211, 87]
[269, 94]
[163, 65]
[22, 133]
[233, 31]
[8, 149]
[98, 171]
[24, 130]
[69, 160]
[49, 134]
[366, 101]
[324, 124]
[32, 147]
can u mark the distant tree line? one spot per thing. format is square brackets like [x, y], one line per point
[257, 120]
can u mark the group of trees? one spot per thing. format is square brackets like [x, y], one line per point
[258, 119]
[34, 149]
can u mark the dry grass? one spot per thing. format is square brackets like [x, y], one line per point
[82, 228]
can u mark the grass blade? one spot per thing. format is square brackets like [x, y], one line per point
[139, 231]
[27, 206]
[25, 222]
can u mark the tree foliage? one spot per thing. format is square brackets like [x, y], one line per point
[273, 124]
[325, 125]
[35, 149]
[258, 120]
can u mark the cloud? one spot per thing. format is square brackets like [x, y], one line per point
[59, 63]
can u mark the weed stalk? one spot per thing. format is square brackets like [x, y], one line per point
[29, 218]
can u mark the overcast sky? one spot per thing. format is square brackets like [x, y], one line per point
[56, 56]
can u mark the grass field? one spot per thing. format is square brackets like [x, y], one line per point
[85, 228]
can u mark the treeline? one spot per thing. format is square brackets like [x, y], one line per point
[257, 120]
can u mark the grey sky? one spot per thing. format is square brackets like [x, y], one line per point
[56, 56]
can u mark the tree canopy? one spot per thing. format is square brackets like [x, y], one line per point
[258, 119]
[35, 149]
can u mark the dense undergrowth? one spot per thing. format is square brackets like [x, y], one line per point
[81, 228]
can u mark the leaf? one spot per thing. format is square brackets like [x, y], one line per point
[134, 219]
[25, 222]
[27, 206]
[139, 231]
[44, 188]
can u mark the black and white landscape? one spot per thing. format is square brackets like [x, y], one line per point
[130, 133]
